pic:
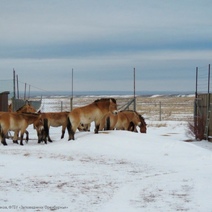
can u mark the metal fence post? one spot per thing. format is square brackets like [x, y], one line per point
[71, 103]
[159, 111]
[61, 107]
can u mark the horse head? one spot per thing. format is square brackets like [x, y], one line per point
[109, 103]
[26, 108]
[142, 125]
[113, 106]
[40, 128]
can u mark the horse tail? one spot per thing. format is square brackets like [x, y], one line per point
[131, 126]
[0, 130]
[107, 127]
[70, 129]
[69, 126]
[46, 128]
[2, 135]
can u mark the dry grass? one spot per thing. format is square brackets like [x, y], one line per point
[152, 108]
[166, 108]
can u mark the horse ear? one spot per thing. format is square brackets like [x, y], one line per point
[39, 111]
[113, 100]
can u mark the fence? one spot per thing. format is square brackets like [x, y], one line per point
[203, 119]
[154, 109]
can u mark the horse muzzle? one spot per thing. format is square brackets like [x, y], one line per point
[115, 112]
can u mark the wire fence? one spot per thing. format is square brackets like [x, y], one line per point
[154, 109]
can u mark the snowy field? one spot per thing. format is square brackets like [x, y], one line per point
[114, 171]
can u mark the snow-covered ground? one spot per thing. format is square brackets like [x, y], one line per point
[110, 171]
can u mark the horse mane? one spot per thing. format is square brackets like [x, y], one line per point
[105, 99]
[131, 111]
[30, 113]
[26, 107]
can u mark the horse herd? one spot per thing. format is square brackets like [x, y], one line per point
[103, 112]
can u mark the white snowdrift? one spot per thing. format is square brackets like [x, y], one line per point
[109, 171]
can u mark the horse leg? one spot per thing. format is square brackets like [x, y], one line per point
[70, 129]
[27, 136]
[15, 137]
[21, 138]
[3, 139]
[135, 129]
[131, 127]
[46, 129]
[108, 123]
[49, 139]
[21, 141]
[63, 132]
[96, 128]
[3, 135]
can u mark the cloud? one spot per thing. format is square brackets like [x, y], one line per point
[104, 41]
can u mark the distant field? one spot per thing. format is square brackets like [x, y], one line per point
[156, 108]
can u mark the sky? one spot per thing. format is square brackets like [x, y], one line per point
[103, 41]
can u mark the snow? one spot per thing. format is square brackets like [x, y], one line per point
[110, 171]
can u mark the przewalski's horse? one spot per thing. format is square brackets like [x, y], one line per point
[135, 120]
[54, 119]
[18, 122]
[124, 120]
[27, 108]
[112, 121]
[89, 113]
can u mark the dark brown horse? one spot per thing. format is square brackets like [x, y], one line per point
[89, 113]
[18, 122]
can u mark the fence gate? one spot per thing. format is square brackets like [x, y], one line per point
[203, 116]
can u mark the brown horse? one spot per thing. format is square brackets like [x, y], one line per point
[92, 112]
[18, 122]
[124, 120]
[112, 121]
[135, 120]
[27, 108]
[54, 119]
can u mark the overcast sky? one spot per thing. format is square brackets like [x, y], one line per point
[164, 40]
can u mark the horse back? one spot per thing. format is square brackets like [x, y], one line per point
[55, 119]
[85, 114]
